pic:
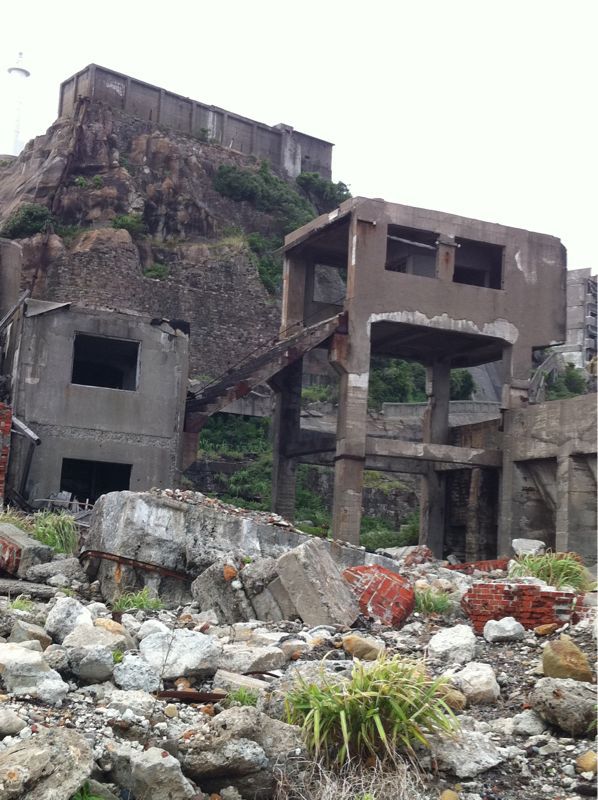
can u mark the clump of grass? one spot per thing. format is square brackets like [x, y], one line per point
[137, 600]
[385, 706]
[117, 656]
[13, 516]
[427, 601]
[557, 569]
[56, 529]
[241, 697]
[22, 603]
[310, 780]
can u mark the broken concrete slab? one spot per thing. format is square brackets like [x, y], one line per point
[219, 588]
[316, 586]
[19, 552]
[528, 547]
[231, 681]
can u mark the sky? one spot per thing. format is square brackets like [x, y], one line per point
[484, 109]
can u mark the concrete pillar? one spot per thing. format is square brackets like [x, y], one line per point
[445, 257]
[286, 428]
[563, 494]
[435, 431]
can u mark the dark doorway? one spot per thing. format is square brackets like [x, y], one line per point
[87, 480]
[101, 361]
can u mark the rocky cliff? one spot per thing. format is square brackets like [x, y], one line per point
[99, 165]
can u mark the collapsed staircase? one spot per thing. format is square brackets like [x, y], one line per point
[256, 369]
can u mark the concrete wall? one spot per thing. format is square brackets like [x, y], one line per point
[285, 148]
[140, 427]
[580, 346]
[10, 274]
[553, 484]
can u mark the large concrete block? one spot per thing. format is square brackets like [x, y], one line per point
[19, 552]
[316, 587]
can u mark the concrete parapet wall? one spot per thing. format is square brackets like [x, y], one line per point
[284, 147]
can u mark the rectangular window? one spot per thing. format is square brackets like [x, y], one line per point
[411, 251]
[87, 480]
[478, 264]
[106, 362]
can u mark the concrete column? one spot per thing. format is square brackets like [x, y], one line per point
[286, 428]
[563, 494]
[435, 431]
[445, 257]
[350, 356]
[294, 279]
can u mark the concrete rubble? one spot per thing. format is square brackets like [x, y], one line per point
[249, 628]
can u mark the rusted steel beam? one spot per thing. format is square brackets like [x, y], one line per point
[147, 566]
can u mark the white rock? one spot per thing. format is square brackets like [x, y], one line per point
[528, 723]
[181, 652]
[26, 672]
[506, 629]
[455, 645]
[135, 673]
[10, 723]
[245, 658]
[478, 683]
[467, 754]
[151, 626]
[64, 617]
[528, 547]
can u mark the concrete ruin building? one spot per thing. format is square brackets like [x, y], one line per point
[448, 292]
[97, 396]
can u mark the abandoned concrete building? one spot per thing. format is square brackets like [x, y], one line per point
[284, 147]
[447, 292]
[89, 384]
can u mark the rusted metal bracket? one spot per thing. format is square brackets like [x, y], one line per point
[125, 561]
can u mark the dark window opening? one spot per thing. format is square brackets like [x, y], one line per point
[87, 480]
[101, 361]
[411, 251]
[478, 264]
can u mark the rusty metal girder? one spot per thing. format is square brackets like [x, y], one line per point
[147, 566]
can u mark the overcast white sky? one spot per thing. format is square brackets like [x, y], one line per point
[485, 108]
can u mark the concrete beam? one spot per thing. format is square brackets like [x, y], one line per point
[465, 456]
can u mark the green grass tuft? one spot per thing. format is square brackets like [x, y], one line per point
[58, 530]
[137, 600]
[557, 569]
[241, 697]
[428, 601]
[21, 603]
[388, 705]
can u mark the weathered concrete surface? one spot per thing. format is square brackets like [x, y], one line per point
[189, 536]
[313, 582]
[19, 552]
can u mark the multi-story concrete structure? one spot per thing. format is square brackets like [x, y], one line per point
[436, 288]
[580, 344]
[97, 396]
[284, 147]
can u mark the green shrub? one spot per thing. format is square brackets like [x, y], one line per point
[267, 262]
[117, 656]
[325, 393]
[428, 601]
[27, 220]
[462, 384]
[133, 223]
[81, 182]
[395, 381]
[265, 192]
[557, 569]
[386, 705]
[21, 603]
[241, 697]
[137, 600]
[56, 529]
[97, 182]
[323, 194]
[409, 530]
[157, 270]
[570, 383]
[234, 436]
[377, 533]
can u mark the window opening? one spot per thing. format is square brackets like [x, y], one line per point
[87, 480]
[102, 361]
[478, 264]
[411, 251]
